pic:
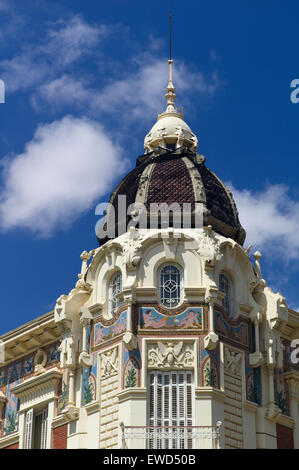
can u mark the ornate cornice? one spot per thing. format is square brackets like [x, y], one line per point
[36, 385]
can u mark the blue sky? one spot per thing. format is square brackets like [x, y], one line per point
[84, 83]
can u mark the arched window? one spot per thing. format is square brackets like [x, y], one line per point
[115, 287]
[170, 285]
[225, 286]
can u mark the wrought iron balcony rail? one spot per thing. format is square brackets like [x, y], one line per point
[170, 437]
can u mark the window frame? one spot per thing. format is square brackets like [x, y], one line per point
[181, 285]
[188, 418]
[230, 311]
[112, 310]
[29, 436]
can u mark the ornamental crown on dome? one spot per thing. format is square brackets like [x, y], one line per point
[170, 127]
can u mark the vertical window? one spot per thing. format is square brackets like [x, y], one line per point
[36, 429]
[115, 287]
[28, 429]
[170, 404]
[170, 284]
[225, 286]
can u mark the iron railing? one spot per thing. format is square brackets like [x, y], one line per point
[170, 437]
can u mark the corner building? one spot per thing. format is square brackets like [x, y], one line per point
[170, 337]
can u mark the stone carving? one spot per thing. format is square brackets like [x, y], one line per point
[40, 360]
[130, 341]
[142, 185]
[208, 247]
[171, 354]
[132, 249]
[147, 142]
[161, 132]
[67, 352]
[247, 251]
[109, 361]
[233, 361]
[275, 352]
[81, 284]
[272, 412]
[200, 189]
[85, 359]
[194, 141]
[181, 136]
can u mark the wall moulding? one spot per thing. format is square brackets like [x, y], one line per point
[209, 393]
[132, 394]
[9, 440]
[92, 407]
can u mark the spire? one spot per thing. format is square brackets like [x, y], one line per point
[170, 90]
[170, 128]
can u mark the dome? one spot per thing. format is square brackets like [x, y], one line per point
[172, 172]
[178, 176]
[170, 130]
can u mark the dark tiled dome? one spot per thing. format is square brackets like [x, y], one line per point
[179, 176]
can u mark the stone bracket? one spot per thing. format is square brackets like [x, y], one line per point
[211, 341]
[256, 359]
[71, 413]
[85, 359]
[130, 341]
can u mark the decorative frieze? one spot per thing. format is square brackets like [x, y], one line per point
[191, 319]
[177, 355]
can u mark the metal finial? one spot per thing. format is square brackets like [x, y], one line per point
[170, 16]
[170, 91]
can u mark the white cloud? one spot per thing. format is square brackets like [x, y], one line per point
[137, 96]
[72, 39]
[271, 219]
[21, 73]
[65, 90]
[67, 166]
[57, 50]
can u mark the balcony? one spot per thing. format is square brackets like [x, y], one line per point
[170, 437]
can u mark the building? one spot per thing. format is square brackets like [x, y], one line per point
[170, 337]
